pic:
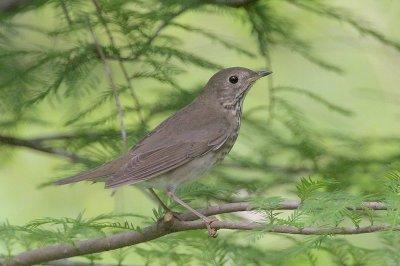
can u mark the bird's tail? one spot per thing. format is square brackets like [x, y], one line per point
[95, 175]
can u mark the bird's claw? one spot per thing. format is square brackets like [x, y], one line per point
[212, 232]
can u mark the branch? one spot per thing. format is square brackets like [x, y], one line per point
[36, 144]
[68, 136]
[110, 77]
[170, 225]
[66, 13]
[120, 61]
[92, 135]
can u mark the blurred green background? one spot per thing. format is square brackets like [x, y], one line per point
[369, 88]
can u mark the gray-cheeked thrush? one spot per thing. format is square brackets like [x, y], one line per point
[184, 146]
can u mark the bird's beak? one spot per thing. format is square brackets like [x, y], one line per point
[264, 73]
[260, 74]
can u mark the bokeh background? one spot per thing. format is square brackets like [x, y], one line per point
[367, 86]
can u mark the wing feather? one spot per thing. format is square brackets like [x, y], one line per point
[154, 163]
[167, 147]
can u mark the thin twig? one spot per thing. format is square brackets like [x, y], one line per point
[120, 62]
[157, 32]
[170, 225]
[39, 146]
[66, 13]
[95, 135]
[68, 136]
[110, 77]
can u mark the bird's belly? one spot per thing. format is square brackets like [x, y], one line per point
[187, 172]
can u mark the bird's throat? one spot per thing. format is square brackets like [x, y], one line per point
[235, 107]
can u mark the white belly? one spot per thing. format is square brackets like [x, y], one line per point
[187, 172]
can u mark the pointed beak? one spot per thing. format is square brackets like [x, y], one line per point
[264, 73]
[260, 74]
[251, 80]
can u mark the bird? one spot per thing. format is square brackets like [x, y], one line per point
[184, 146]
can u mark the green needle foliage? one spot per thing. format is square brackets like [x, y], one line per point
[88, 62]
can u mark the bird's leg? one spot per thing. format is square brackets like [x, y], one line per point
[165, 207]
[211, 231]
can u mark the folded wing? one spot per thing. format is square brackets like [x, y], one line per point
[176, 141]
[147, 165]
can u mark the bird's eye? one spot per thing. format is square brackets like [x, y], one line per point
[233, 79]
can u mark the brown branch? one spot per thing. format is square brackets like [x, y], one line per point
[110, 77]
[36, 144]
[170, 225]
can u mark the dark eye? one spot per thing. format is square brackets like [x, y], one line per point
[233, 79]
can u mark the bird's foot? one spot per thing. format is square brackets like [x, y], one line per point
[212, 232]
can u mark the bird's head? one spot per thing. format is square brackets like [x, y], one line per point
[230, 85]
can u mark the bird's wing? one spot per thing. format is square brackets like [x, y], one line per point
[146, 165]
[173, 143]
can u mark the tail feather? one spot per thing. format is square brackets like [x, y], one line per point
[94, 175]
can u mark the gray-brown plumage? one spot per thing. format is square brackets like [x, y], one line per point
[185, 145]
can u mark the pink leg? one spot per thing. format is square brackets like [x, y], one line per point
[211, 231]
